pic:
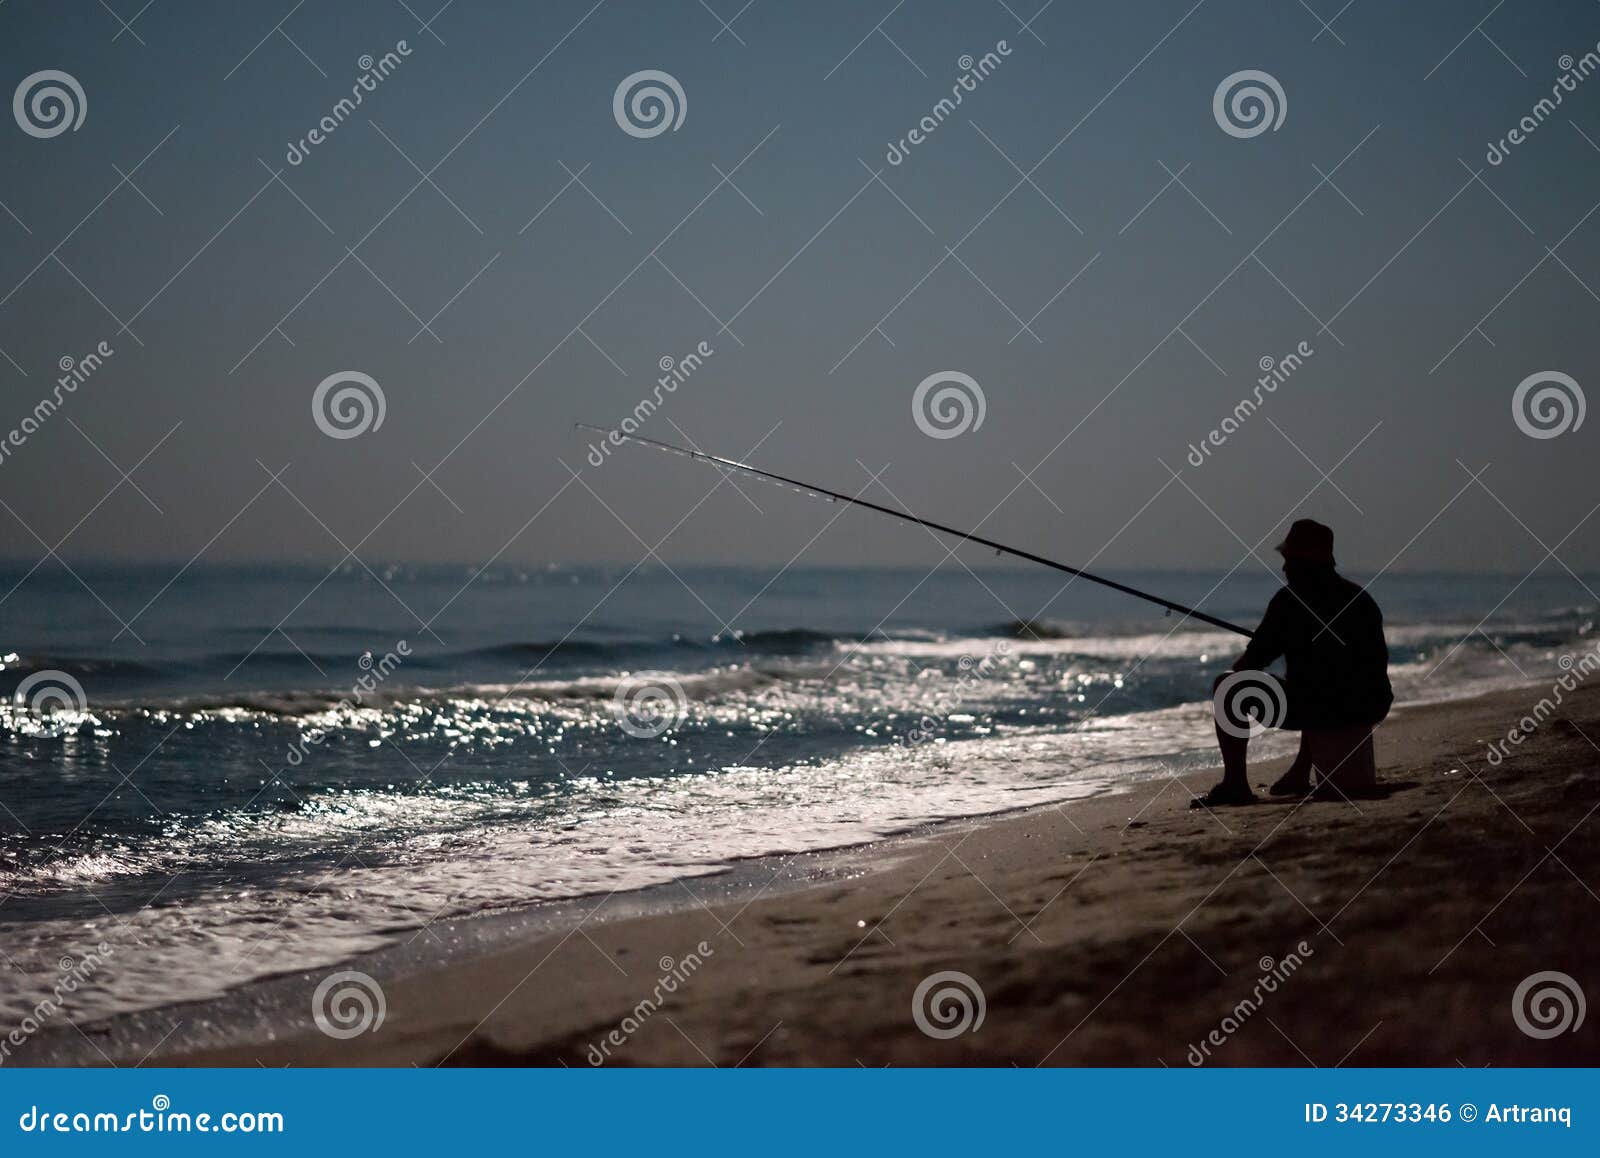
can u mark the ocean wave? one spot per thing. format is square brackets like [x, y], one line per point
[307, 702]
[781, 657]
[291, 884]
[1199, 645]
[793, 640]
[406, 860]
[1032, 629]
[544, 649]
[103, 667]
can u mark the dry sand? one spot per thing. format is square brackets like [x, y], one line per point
[1121, 930]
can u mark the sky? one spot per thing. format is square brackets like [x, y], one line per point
[1082, 240]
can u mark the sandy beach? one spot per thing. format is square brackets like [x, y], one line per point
[670, 538]
[1121, 930]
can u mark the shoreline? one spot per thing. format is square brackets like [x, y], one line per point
[1117, 929]
[258, 1009]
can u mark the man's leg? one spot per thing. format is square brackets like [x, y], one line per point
[1233, 741]
[1234, 751]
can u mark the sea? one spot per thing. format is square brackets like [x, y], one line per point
[221, 773]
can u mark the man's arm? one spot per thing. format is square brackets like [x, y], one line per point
[1269, 640]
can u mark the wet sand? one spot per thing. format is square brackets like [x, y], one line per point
[1121, 930]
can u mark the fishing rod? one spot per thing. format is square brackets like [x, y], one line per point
[815, 491]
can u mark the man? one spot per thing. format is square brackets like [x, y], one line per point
[1330, 633]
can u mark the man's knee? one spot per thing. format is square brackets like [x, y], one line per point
[1232, 705]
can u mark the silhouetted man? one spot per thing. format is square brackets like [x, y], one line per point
[1330, 633]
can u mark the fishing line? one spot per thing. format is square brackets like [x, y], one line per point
[815, 491]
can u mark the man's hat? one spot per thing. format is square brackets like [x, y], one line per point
[1308, 541]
